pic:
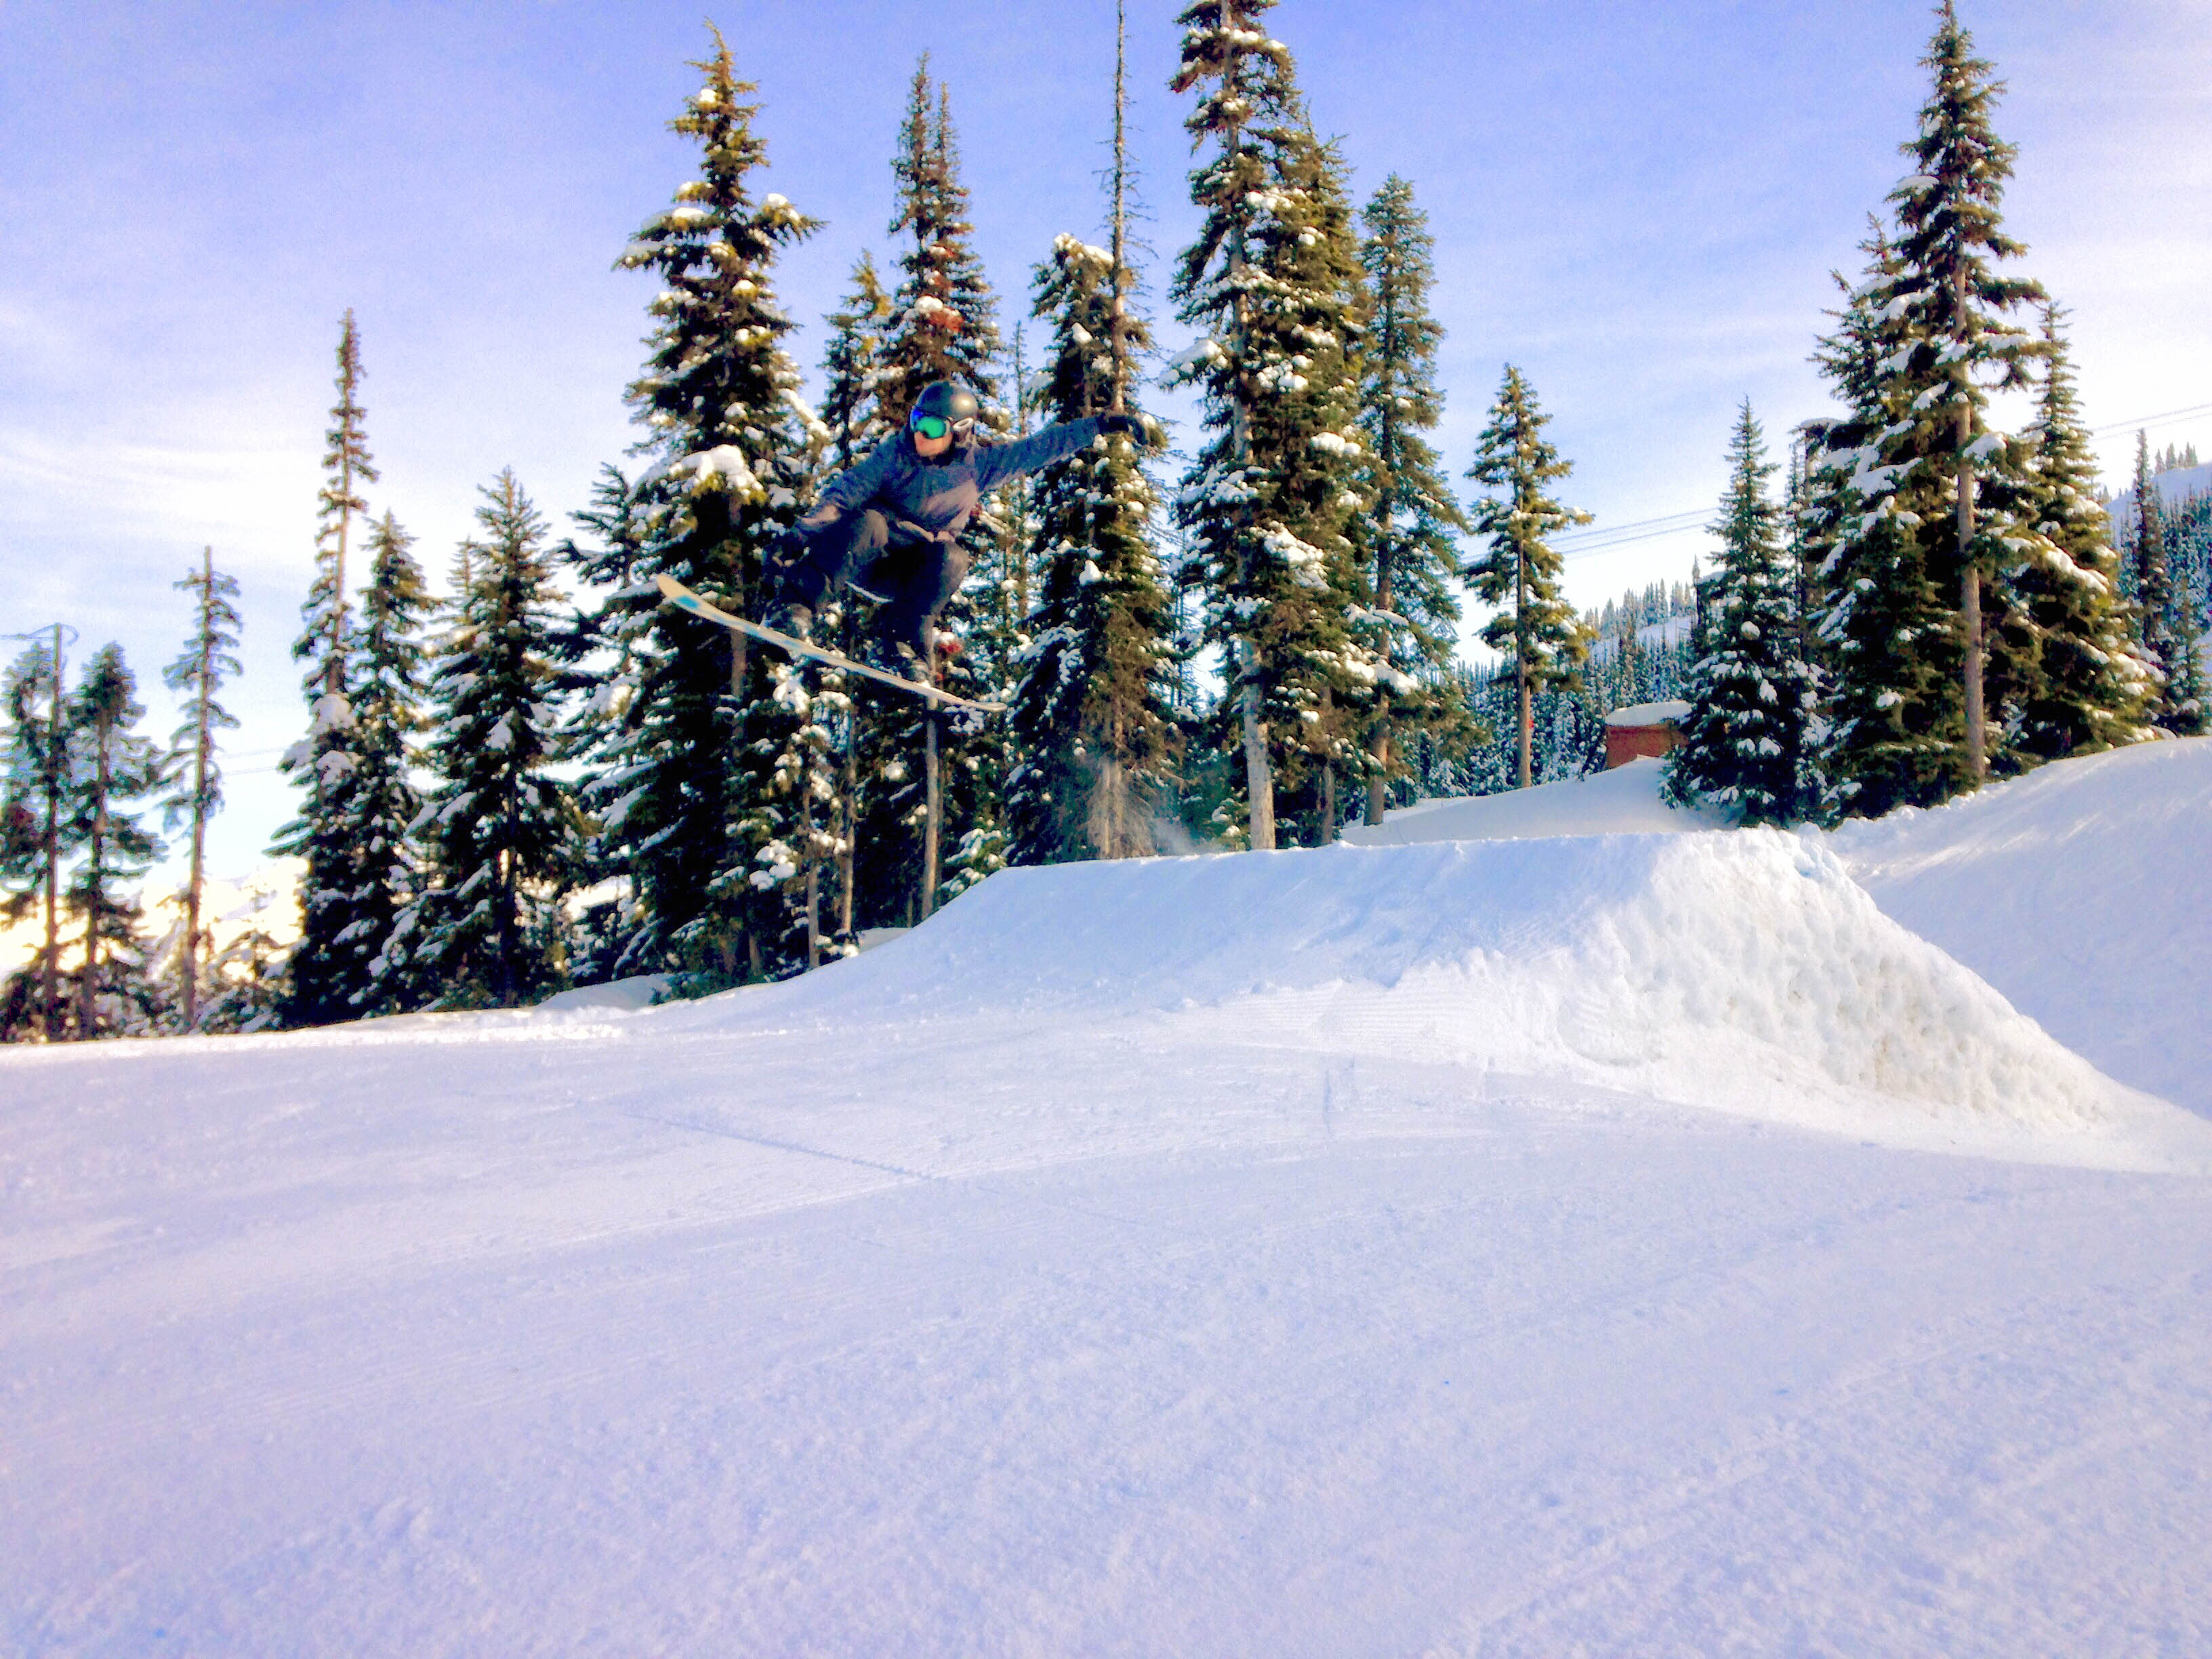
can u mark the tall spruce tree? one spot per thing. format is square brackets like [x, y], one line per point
[1888, 636]
[388, 678]
[853, 410]
[119, 767]
[944, 317]
[1748, 745]
[1960, 343]
[1092, 717]
[322, 974]
[693, 765]
[1409, 537]
[208, 659]
[1519, 571]
[497, 831]
[2070, 681]
[942, 326]
[2163, 623]
[1273, 285]
[41, 778]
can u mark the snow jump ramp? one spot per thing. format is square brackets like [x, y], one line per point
[1744, 972]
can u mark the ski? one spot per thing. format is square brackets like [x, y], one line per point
[684, 599]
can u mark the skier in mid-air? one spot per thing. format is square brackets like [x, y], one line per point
[889, 527]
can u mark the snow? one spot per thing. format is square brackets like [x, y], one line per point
[1623, 801]
[1672, 712]
[1580, 1239]
[2080, 890]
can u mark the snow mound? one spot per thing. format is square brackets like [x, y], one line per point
[2084, 891]
[1744, 971]
[1622, 802]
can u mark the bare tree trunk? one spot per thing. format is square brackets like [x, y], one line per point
[196, 880]
[1970, 613]
[849, 821]
[86, 1002]
[1259, 777]
[1526, 716]
[933, 811]
[55, 750]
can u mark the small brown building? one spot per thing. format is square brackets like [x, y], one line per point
[1641, 729]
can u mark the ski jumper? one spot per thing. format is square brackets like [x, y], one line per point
[899, 516]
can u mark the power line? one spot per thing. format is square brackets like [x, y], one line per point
[1600, 538]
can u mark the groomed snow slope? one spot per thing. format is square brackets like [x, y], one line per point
[1744, 971]
[1296, 1255]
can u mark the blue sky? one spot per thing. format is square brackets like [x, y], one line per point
[1637, 204]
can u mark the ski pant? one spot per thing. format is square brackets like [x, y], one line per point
[911, 572]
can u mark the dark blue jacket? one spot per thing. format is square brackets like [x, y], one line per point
[940, 496]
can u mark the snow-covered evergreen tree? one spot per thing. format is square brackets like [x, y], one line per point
[1960, 343]
[497, 831]
[2069, 681]
[1519, 570]
[41, 778]
[117, 768]
[322, 976]
[2163, 624]
[1274, 286]
[384, 802]
[1408, 539]
[1092, 716]
[944, 316]
[1749, 744]
[681, 800]
[942, 326]
[208, 659]
[1889, 638]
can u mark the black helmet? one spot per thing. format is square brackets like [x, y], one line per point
[947, 407]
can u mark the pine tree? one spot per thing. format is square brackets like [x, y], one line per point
[497, 829]
[1092, 717]
[1520, 571]
[2161, 607]
[41, 778]
[208, 659]
[943, 324]
[942, 327]
[1889, 641]
[384, 802]
[680, 804]
[2070, 681]
[1273, 285]
[1748, 745]
[852, 406]
[1409, 536]
[852, 410]
[1961, 345]
[118, 767]
[323, 975]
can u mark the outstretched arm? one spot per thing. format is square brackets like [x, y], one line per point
[1001, 462]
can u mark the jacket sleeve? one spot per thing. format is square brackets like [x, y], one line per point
[857, 483]
[1001, 462]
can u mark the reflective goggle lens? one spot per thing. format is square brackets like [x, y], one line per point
[932, 427]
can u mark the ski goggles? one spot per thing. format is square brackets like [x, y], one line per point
[934, 426]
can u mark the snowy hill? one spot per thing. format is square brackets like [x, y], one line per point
[1525, 1244]
[2069, 891]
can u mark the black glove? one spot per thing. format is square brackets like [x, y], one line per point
[1122, 426]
